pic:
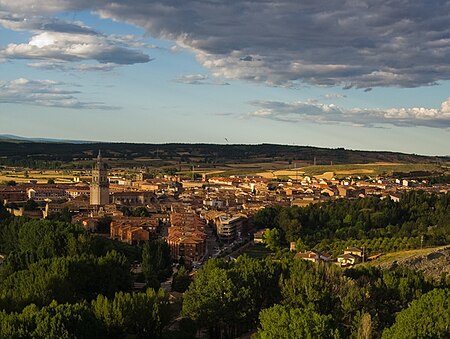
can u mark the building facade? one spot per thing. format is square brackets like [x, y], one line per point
[186, 236]
[229, 228]
[12, 194]
[134, 198]
[44, 193]
[133, 230]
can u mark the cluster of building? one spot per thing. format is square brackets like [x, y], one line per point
[182, 210]
[350, 257]
[186, 235]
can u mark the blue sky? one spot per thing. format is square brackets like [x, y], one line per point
[366, 75]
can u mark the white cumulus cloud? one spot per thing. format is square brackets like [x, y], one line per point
[198, 79]
[312, 111]
[44, 93]
[56, 41]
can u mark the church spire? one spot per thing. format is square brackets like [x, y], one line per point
[99, 184]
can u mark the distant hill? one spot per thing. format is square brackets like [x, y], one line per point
[204, 154]
[16, 138]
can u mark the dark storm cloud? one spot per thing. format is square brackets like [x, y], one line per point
[353, 43]
[21, 22]
[359, 43]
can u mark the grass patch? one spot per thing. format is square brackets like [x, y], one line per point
[257, 251]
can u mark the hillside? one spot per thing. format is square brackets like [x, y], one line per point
[204, 155]
[431, 261]
[16, 138]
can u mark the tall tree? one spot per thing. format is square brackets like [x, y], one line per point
[143, 315]
[426, 317]
[156, 261]
[283, 323]
[181, 280]
[211, 299]
[272, 239]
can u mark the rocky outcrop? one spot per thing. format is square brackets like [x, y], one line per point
[432, 264]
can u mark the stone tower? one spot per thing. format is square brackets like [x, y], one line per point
[99, 183]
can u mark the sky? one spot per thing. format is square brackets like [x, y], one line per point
[358, 74]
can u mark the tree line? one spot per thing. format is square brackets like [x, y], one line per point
[394, 225]
[141, 315]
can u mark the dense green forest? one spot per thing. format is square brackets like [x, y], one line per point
[375, 223]
[59, 281]
[284, 297]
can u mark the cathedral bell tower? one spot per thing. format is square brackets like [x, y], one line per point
[99, 183]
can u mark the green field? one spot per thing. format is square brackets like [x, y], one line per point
[372, 169]
[59, 176]
[257, 251]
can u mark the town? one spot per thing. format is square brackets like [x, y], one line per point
[199, 216]
[192, 251]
